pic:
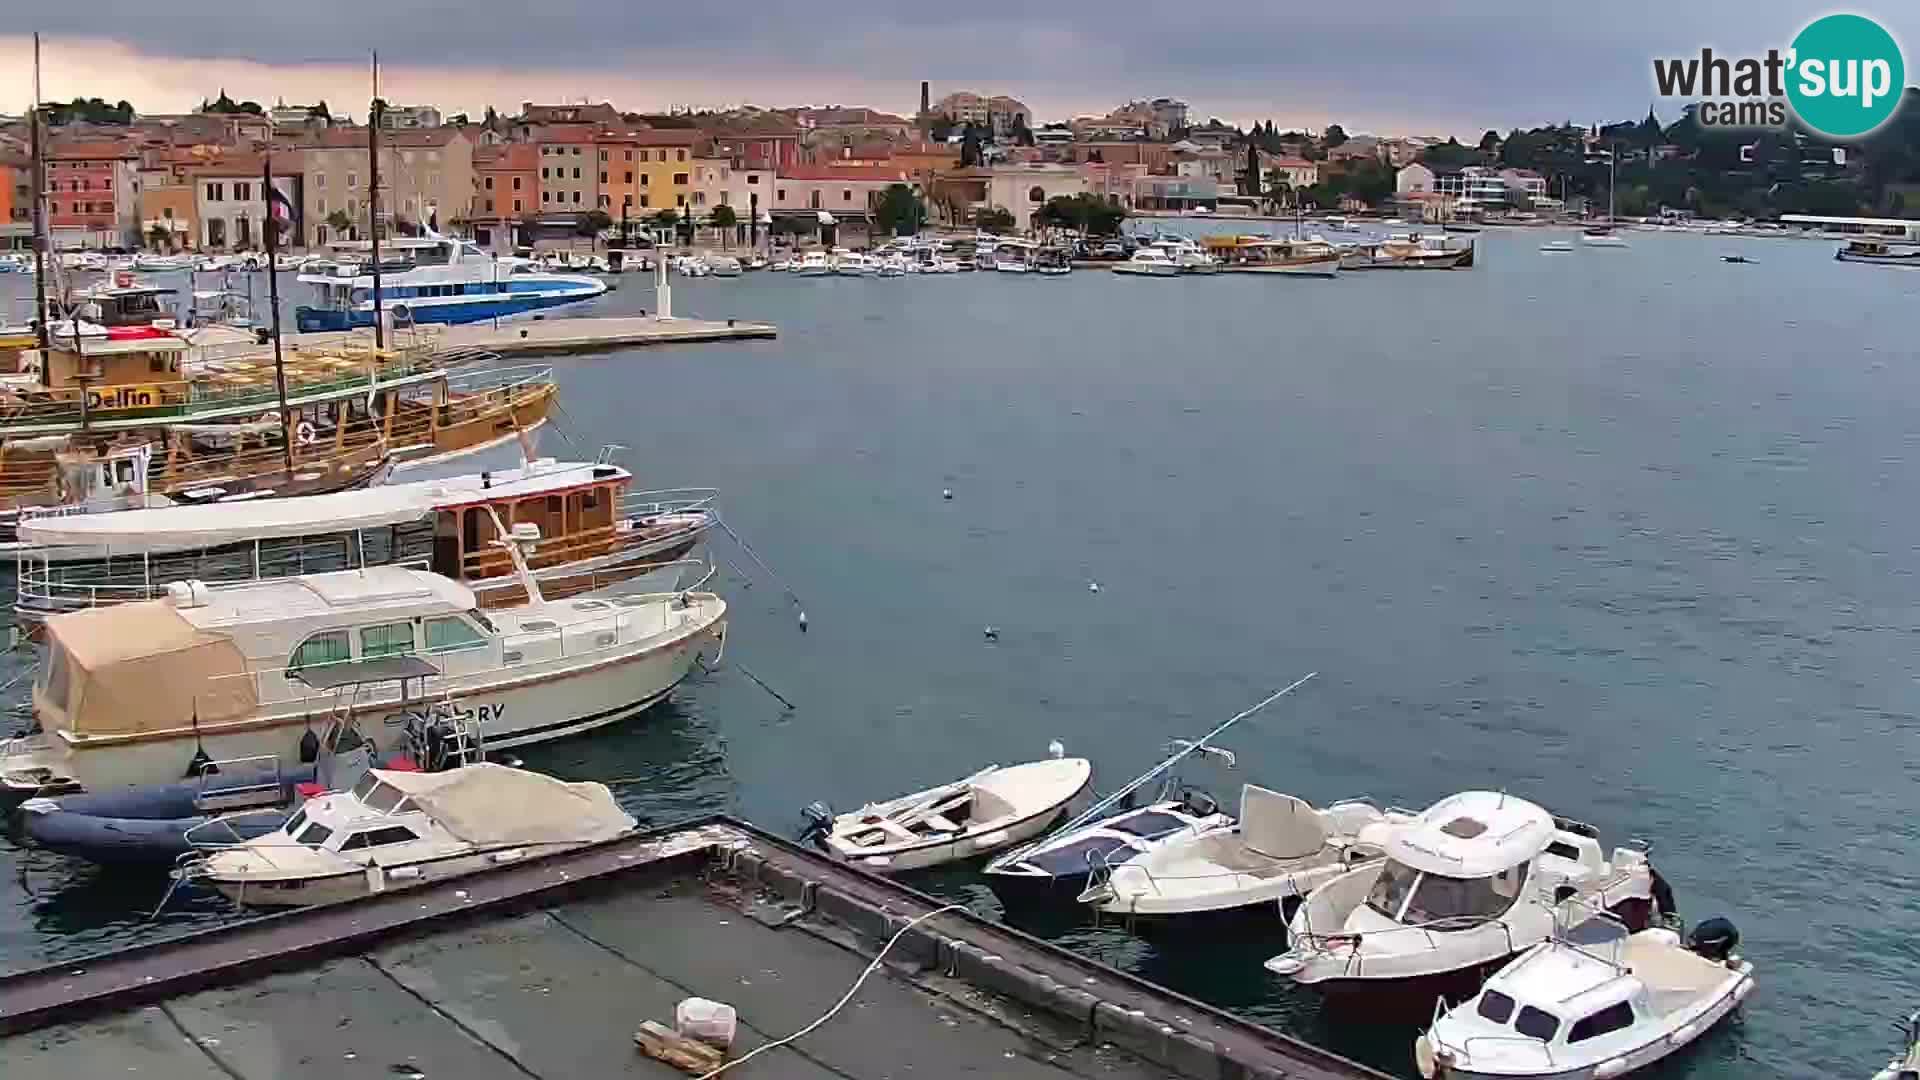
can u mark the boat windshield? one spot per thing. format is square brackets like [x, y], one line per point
[1414, 898]
[377, 795]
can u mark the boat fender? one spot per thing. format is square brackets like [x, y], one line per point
[202, 764]
[1663, 900]
[304, 432]
[309, 748]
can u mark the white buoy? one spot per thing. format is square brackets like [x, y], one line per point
[993, 633]
[1093, 586]
[1056, 749]
[803, 622]
[946, 493]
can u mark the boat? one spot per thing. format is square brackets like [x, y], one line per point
[1408, 252]
[1059, 865]
[133, 693]
[1879, 253]
[1735, 259]
[597, 535]
[723, 266]
[1476, 878]
[854, 264]
[1279, 850]
[1555, 247]
[440, 280]
[1602, 237]
[894, 266]
[1601, 1001]
[1907, 1065]
[1053, 262]
[813, 264]
[1148, 262]
[1013, 255]
[1286, 258]
[397, 830]
[983, 813]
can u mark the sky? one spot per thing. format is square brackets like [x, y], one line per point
[1403, 67]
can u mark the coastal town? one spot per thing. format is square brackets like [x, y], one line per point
[121, 179]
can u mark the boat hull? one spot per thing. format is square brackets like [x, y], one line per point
[337, 888]
[498, 306]
[1149, 270]
[1909, 259]
[1317, 268]
[965, 847]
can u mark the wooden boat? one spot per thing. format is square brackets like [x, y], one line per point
[217, 434]
[1264, 255]
[596, 535]
[992, 809]
[396, 830]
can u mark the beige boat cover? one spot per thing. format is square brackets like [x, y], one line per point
[490, 805]
[137, 668]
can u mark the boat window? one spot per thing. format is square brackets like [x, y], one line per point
[451, 633]
[1606, 1021]
[387, 639]
[392, 834]
[1391, 888]
[1442, 897]
[295, 822]
[1496, 1006]
[326, 647]
[1564, 850]
[481, 617]
[378, 796]
[314, 835]
[1536, 1024]
[1147, 824]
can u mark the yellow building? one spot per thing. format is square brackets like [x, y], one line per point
[664, 169]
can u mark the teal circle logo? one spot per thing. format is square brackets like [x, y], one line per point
[1845, 75]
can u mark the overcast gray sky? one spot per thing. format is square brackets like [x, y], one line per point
[1392, 66]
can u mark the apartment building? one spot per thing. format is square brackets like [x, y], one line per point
[426, 177]
[717, 182]
[230, 200]
[92, 193]
[846, 191]
[998, 112]
[506, 188]
[169, 204]
[665, 167]
[16, 201]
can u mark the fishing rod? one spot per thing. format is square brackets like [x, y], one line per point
[1098, 808]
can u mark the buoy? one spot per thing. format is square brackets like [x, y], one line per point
[993, 633]
[1056, 749]
[1093, 586]
[946, 493]
[803, 622]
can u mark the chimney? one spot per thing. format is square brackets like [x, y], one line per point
[926, 103]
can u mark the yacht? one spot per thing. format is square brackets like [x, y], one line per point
[1148, 262]
[1602, 236]
[1598, 1002]
[723, 266]
[397, 830]
[439, 279]
[137, 693]
[1187, 256]
[1014, 256]
[1879, 253]
[1476, 878]
[854, 264]
[597, 535]
[813, 264]
[1557, 247]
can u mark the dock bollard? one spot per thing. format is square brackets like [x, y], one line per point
[523, 333]
[729, 324]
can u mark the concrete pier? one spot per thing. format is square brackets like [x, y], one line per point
[546, 968]
[527, 337]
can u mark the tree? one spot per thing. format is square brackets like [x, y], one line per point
[665, 219]
[1490, 143]
[1086, 212]
[1447, 155]
[1335, 135]
[994, 219]
[339, 222]
[594, 222]
[87, 110]
[1249, 179]
[225, 104]
[1279, 193]
[160, 237]
[321, 112]
[491, 120]
[1022, 134]
[458, 120]
[899, 212]
[940, 127]
[724, 219]
[970, 148]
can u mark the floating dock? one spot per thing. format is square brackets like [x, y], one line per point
[546, 969]
[526, 337]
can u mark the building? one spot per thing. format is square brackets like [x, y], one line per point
[92, 193]
[845, 191]
[1023, 189]
[16, 201]
[717, 183]
[1414, 179]
[1524, 186]
[400, 117]
[230, 200]
[1473, 188]
[1295, 172]
[506, 180]
[169, 203]
[1000, 114]
[1156, 156]
[334, 197]
[1194, 161]
[1160, 192]
[569, 168]
[665, 167]
[426, 177]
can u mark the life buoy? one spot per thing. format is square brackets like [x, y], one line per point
[401, 314]
[304, 432]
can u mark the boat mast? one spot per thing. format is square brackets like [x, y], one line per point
[273, 298]
[373, 198]
[40, 218]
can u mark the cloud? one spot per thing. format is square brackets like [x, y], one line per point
[1392, 65]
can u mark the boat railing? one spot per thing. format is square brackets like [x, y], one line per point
[666, 501]
[44, 587]
[203, 836]
[499, 378]
[1546, 1051]
[177, 400]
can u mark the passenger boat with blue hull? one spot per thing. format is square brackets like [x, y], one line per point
[440, 279]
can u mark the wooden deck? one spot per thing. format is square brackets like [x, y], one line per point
[528, 337]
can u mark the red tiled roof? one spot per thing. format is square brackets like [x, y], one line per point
[844, 172]
[97, 151]
[507, 157]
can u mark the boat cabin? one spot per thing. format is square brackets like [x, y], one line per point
[120, 367]
[126, 305]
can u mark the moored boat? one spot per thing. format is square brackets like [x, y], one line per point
[1148, 262]
[1906, 1066]
[437, 279]
[1286, 258]
[1879, 253]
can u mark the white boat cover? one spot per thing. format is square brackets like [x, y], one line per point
[187, 528]
[136, 668]
[490, 805]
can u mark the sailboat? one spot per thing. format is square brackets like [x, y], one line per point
[1603, 236]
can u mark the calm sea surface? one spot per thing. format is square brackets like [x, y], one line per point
[1630, 533]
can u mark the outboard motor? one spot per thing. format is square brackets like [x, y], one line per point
[819, 822]
[1199, 803]
[1715, 939]
[1663, 901]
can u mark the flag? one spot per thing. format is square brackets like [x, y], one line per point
[279, 211]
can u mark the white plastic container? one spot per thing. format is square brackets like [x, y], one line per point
[712, 1022]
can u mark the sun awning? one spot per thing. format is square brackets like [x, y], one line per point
[191, 528]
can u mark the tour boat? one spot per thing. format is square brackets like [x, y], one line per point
[1599, 1002]
[1907, 1065]
[1280, 850]
[1879, 252]
[1476, 878]
[443, 280]
[398, 829]
[1148, 262]
[992, 809]
[134, 693]
[1287, 258]
[1407, 252]
[596, 535]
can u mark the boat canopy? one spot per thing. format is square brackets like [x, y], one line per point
[135, 668]
[1474, 834]
[489, 804]
[184, 528]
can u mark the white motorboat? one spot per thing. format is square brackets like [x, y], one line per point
[1600, 1003]
[1281, 849]
[894, 266]
[134, 693]
[1148, 262]
[723, 265]
[1061, 864]
[434, 279]
[1557, 246]
[1907, 1065]
[813, 264]
[990, 810]
[1014, 256]
[1188, 257]
[854, 264]
[1476, 878]
[396, 830]
[690, 266]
